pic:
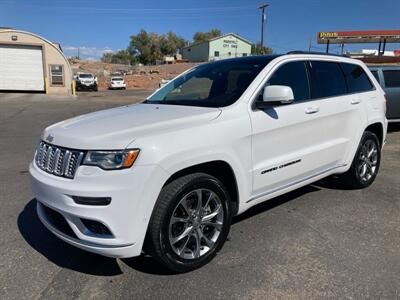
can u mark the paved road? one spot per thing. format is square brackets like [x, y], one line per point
[317, 242]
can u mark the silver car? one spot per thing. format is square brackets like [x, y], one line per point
[389, 78]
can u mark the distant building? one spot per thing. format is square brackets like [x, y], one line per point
[29, 62]
[225, 46]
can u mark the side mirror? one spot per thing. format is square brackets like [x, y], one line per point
[275, 94]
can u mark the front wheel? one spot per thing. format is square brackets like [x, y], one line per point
[365, 165]
[190, 222]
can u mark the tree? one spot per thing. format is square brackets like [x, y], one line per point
[147, 48]
[199, 37]
[107, 57]
[171, 43]
[256, 49]
[120, 57]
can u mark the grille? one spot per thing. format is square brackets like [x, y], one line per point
[58, 161]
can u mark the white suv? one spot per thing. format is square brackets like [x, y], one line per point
[166, 176]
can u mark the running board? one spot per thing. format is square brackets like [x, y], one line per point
[293, 183]
[393, 120]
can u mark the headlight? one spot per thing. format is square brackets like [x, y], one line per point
[111, 160]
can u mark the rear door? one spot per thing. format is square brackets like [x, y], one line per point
[392, 88]
[338, 89]
[21, 68]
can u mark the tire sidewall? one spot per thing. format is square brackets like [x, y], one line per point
[206, 182]
[366, 136]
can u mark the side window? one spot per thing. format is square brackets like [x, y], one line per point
[392, 78]
[294, 75]
[357, 79]
[328, 79]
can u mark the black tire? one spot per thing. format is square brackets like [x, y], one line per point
[353, 177]
[158, 238]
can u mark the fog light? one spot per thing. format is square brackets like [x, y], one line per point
[96, 227]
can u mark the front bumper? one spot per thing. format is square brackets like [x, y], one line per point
[83, 86]
[133, 192]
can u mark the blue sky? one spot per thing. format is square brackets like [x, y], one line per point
[96, 26]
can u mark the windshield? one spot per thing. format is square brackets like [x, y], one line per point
[117, 79]
[216, 84]
[85, 76]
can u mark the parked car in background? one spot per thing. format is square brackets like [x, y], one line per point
[389, 79]
[117, 83]
[167, 175]
[85, 81]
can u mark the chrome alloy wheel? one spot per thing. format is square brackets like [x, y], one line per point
[196, 223]
[368, 160]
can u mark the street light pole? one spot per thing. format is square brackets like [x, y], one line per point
[263, 17]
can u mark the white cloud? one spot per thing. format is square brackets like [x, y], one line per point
[86, 52]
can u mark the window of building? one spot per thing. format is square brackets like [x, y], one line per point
[357, 79]
[328, 79]
[392, 78]
[216, 53]
[56, 75]
[294, 75]
[229, 53]
[244, 54]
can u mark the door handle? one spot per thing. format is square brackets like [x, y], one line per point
[355, 101]
[311, 110]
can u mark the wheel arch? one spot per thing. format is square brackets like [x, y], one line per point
[221, 170]
[377, 129]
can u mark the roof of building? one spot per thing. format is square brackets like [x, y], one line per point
[220, 37]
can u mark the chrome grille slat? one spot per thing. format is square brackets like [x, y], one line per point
[57, 160]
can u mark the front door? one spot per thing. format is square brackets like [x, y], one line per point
[295, 142]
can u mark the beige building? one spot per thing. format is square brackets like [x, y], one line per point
[31, 63]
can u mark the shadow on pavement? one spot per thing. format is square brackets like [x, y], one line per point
[67, 256]
[59, 252]
[270, 204]
[147, 264]
[393, 127]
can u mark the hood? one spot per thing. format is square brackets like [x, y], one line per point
[116, 128]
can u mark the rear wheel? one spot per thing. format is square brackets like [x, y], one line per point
[365, 165]
[190, 222]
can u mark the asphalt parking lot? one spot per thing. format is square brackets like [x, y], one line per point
[317, 242]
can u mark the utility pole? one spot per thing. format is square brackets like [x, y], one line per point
[78, 54]
[309, 45]
[263, 17]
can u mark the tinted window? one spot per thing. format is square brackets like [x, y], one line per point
[328, 79]
[294, 75]
[375, 73]
[357, 79]
[392, 78]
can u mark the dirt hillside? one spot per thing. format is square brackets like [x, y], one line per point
[139, 77]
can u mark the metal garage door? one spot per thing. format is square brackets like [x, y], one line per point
[21, 68]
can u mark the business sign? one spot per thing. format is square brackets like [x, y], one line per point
[229, 43]
[358, 36]
[324, 35]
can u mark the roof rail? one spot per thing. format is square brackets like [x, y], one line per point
[315, 53]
